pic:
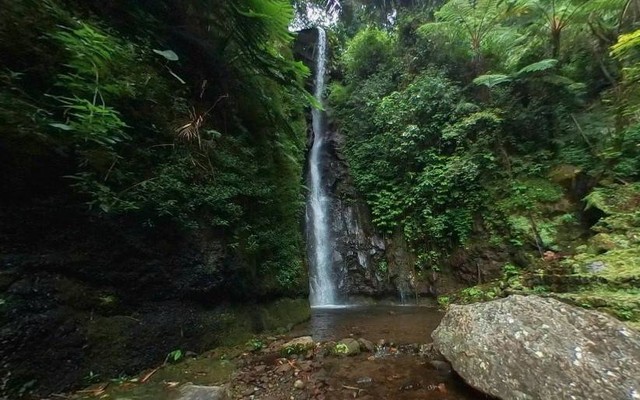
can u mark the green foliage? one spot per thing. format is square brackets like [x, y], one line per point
[91, 122]
[413, 161]
[202, 128]
[510, 270]
[476, 294]
[91, 377]
[341, 349]
[174, 356]
[383, 267]
[255, 344]
[444, 301]
[525, 195]
[614, 199]
[540, 290]
[294, 349]
[492, 80]
[370, 51]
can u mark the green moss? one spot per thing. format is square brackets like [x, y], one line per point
[285, 312]
[341, 349]
[615, 199]
[108, 338]
[617, 265]
[298, 348]
[622, 304]
[603, 242]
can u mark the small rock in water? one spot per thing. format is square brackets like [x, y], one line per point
[197, 392]
[364, 381]
[366, 345]
[410, 386]
[443, 367]
[299, 345]
[347, 347]
[298, 384]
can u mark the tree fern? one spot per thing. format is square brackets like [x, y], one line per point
[538, 66]
[492, 80]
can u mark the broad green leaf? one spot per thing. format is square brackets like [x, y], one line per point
[64, 127]
[168, 54]
[538, 66]
[491, 80]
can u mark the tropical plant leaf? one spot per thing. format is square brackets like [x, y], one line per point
[538, 66]
[64, 127]
[625, 46]
[168, 54]
[491, 80]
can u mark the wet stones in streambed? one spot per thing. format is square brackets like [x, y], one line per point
[366, 345]
[347, 347]
[442, 367]
[271, 376]
[197, 392]
[298, 345]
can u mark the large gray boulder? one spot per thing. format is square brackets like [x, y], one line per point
[529, 348]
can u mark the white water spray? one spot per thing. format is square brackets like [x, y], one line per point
[323, 291]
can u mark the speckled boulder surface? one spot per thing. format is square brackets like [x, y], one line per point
[528, 347]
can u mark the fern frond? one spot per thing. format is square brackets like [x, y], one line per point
[627, 46]
[491, 80]
[538, 66]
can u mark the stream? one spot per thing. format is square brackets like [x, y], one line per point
[397, 324]
[396, 370]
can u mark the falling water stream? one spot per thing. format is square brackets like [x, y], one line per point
[320, 247]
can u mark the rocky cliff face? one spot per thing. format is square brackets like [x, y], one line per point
[364, 265]
[360, 249]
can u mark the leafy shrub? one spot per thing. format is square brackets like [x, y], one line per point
[370, 51]
[421, 160]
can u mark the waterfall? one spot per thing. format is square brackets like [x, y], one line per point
[320, 243]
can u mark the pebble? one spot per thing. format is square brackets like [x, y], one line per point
[364, 381]
[298, 384]
[281, 369]
[248, 392]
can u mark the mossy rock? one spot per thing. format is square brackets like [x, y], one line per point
[299, 345]
[620, 265]
[564, 174]
[603, 242]
[622, 304]
[615, 199]
[346, 347]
